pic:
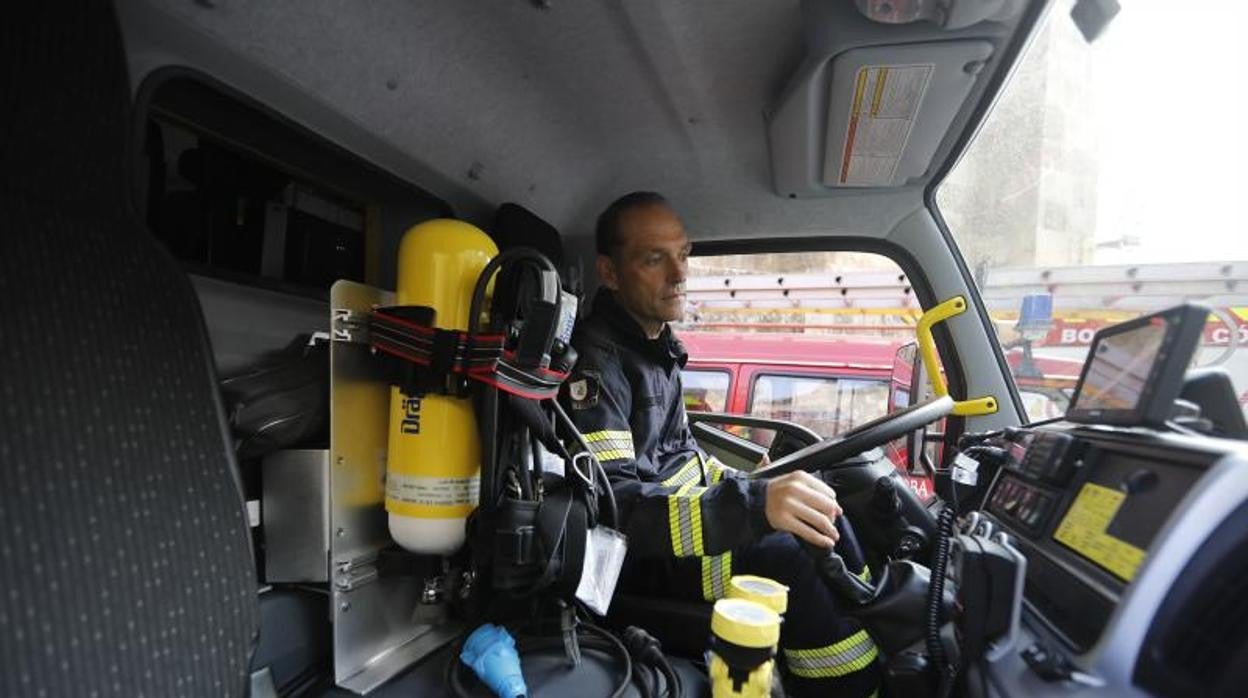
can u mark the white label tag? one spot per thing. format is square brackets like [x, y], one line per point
[965, 462]
[605, 549]
[433, 491]
[550, 462]
[964, 476]
[567, 317]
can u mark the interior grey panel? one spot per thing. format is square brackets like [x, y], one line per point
[976, 354]
[469, 100]
[246, 322]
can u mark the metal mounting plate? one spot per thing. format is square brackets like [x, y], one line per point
[376, 635]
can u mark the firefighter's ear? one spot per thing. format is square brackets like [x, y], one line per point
[606, 272]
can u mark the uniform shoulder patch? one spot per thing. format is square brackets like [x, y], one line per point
[583, 391]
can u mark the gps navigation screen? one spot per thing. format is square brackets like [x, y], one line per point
[1117, 374]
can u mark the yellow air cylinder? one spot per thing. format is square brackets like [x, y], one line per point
[743, 628]
[433, 468]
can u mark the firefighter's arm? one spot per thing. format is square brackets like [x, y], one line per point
[673, 517]
[796, 502]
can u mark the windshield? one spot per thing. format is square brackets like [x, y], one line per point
[1105, 184]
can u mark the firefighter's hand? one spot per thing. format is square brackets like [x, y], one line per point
[805, 506]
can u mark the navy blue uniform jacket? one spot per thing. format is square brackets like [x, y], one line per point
[625, 396]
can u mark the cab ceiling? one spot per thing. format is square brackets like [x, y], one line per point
[559, 108]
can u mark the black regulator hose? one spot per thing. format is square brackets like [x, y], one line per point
[478, 292]
[490, 484]
[648, 652]
[611, 517]
[936, 591]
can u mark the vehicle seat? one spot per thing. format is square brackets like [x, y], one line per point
[125, 559]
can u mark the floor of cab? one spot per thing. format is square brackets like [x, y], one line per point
[544, 673]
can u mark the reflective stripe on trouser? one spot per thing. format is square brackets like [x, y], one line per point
[609, 445]
[716, 571]
[684, 516]
[854, 653]
[814, 619]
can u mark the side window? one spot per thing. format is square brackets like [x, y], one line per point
[827, 405]
[221, 210]
[798, 322]
[233, 190]
[705, 390]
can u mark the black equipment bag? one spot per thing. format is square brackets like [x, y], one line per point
[281, 402]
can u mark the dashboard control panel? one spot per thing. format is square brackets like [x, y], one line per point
[1089, 507]
[1030, 486]
[1085, 506]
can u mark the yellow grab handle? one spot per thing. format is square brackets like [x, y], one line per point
[927, 350]
[975, 407]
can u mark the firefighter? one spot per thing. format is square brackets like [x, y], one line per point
[691, 521]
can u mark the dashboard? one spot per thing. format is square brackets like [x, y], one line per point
[1136, 545]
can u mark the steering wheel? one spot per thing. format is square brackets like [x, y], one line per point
[873, 434]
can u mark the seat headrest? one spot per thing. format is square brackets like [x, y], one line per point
[64, 120]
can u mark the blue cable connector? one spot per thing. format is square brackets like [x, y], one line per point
[491, 652]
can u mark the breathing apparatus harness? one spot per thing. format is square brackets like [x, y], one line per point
[528, 356]
[529, 533]
[517, 358]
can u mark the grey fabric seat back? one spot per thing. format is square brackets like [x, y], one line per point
[125, 560]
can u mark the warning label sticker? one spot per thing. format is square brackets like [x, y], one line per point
[432, 491]
[885, 102]
[1085, 530]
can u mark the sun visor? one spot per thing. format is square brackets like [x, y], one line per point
[871, 117]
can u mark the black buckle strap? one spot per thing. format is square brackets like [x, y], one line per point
[442, 362]
[740, 660]
[446, 359]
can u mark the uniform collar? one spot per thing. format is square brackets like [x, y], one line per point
[666, 347]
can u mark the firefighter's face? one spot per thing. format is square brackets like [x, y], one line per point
[648, 270]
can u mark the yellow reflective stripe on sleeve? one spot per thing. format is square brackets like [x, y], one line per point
[717, 470]
[854, 653]
[608, 434]
[674, 520]
[614, 454]
[688, 473]
[716, 571]
[684, 517]
[611, 445]
[692, 471]
[695, 515]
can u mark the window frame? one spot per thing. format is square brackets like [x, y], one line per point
[260, 132]
[1011, 55]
